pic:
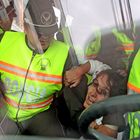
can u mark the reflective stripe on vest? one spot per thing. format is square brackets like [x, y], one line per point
[133, 87]
[26, 78]
[126, 42]
[127, 47]
[31, 75]
[29, 106]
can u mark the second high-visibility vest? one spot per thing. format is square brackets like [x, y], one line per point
[134, 88]
[127, 45]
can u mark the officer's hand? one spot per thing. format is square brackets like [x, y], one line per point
[73, 77]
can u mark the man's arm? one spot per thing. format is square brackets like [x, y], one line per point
[111, 125]
[108, 130]
[73, 97]
[73, 76]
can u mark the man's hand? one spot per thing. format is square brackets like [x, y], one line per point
[73, 77]
[105, 129]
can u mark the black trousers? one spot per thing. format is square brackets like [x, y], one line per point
[43, 124]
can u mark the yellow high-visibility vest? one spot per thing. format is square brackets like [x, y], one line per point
[134, 86]
[31, 79]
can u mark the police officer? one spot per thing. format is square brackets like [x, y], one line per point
[32, 66]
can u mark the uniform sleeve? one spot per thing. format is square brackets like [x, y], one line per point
[69, 64]
[74, 97]
[70, 102]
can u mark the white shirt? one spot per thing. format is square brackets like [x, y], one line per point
[96, 67]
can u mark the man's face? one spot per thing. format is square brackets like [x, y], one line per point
[35, 37]
[98, 90]
[45, 40]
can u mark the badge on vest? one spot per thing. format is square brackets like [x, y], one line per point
[44, 63]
